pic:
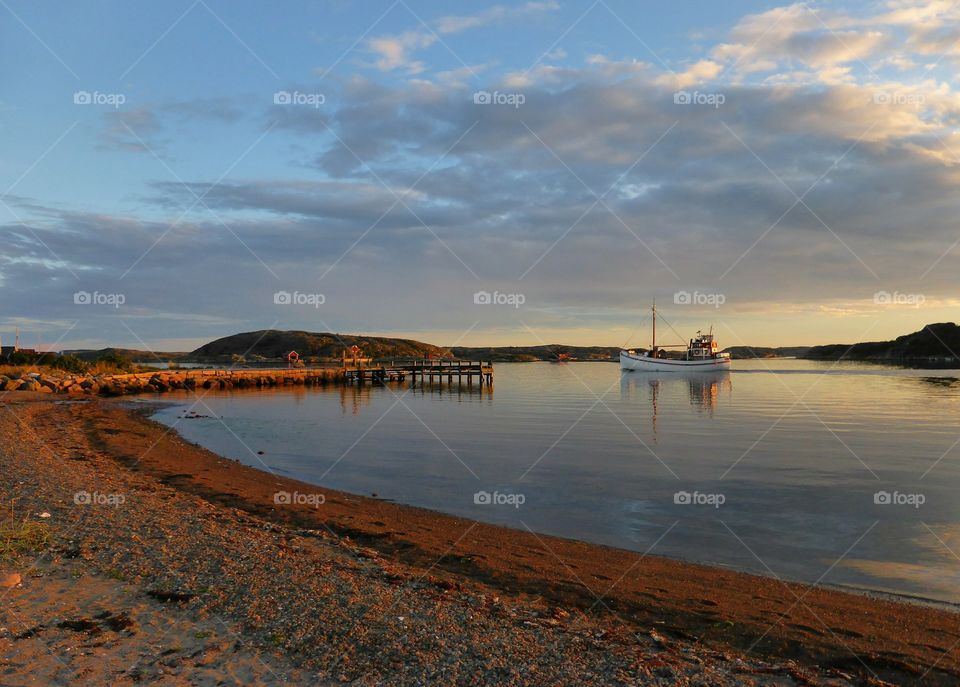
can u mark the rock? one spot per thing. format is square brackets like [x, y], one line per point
[45, 389]
[11, 384]
[28, 385]
[9, 580]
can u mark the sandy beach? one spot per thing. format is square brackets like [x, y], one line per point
[176, 566]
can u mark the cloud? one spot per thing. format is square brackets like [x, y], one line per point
[495, 14]
[395, 52]
[131, 130]
[421, 193]
[151, 127]
[817, 41]
[697, 73]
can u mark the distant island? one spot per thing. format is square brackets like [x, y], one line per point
[935, 344]
[521, 354]
[751, 352]
[266, 344]
[133, 354]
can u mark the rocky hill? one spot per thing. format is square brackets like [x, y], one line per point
[752, 352]
[90, 355]
[934, 344]
[276, 344]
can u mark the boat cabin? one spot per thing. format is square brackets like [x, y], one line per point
[702, 347]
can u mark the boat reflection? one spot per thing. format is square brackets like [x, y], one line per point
[703, 388]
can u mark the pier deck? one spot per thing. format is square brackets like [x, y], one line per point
[423, 372]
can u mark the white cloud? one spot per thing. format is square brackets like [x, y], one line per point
[695, 74]
[396, 51]
[495, 14]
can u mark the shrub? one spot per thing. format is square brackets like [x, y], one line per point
[21, 358]
[115, 360]
[69, 363]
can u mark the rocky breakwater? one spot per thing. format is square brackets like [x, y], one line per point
[167, 380]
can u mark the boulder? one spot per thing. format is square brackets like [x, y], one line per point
[111, 389]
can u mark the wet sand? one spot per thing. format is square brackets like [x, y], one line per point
[360, 589]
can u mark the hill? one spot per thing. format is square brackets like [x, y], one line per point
[752, 352]
[521, 354]
[934, 344]
[132, 354]
[276, 344]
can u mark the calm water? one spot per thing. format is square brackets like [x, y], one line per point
[782, 460]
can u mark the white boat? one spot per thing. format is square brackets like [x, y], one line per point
[703, 354]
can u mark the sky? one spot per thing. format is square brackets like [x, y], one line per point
[477, 173]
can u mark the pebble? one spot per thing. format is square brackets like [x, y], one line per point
[10, 580]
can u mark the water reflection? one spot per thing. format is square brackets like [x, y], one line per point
[354, 397]
[704, 389]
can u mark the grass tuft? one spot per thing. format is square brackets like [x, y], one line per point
[22, 535]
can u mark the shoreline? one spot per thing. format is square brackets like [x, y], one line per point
[832, 632]
[146, 408]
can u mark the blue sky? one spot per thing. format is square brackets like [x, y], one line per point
[790, 166]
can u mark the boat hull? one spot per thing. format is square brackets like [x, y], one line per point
[639, 363]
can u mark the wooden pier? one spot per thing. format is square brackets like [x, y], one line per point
[423, 372]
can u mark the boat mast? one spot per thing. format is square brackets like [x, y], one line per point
[653, 343]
